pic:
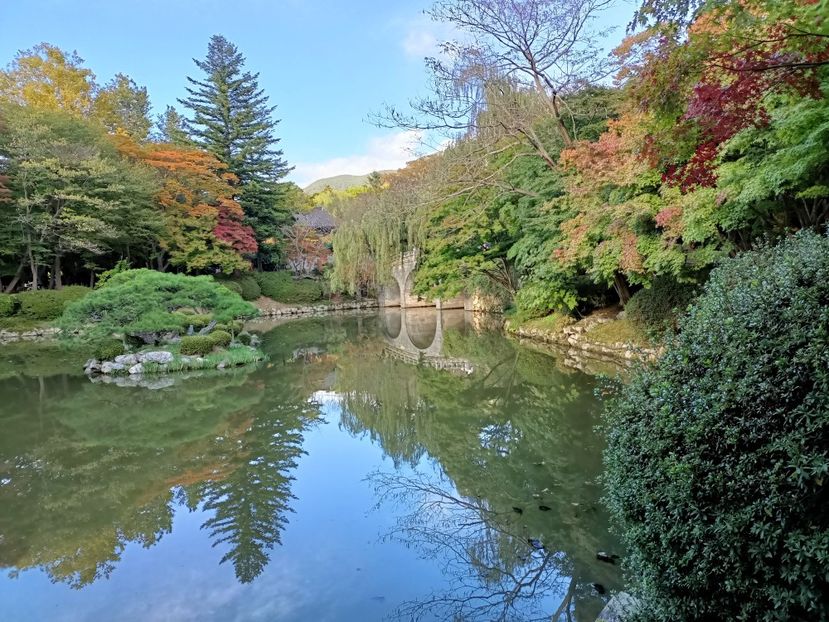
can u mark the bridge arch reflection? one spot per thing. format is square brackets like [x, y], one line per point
[417, 336]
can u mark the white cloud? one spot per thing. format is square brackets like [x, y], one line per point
[422, 36]
[381, 153]
[419, 43]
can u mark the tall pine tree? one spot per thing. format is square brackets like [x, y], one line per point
[232, 120]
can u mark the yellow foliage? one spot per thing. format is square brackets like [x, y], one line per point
[48, 78]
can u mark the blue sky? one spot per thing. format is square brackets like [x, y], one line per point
[326, 64]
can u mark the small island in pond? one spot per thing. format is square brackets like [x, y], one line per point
[148, 322]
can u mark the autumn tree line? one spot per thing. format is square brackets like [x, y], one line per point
[574, 179]
[88, 178]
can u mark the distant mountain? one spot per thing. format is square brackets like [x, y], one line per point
[338, 182]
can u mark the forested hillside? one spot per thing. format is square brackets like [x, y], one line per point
[575, 180]
[338, 182]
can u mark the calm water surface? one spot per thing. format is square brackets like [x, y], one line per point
[398, 466]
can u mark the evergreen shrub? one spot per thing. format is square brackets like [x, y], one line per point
[8, 305]
[221, 338]
[657, 308]
[282, 287]
[48, 304]
[197, 345]
[717, 466]
[108, 350]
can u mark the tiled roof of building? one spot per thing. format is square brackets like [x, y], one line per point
[318, 218]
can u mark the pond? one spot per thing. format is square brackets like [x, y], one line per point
[393, 466]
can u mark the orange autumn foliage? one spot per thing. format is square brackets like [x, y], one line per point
[204, 221]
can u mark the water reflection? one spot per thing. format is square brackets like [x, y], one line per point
[101, 466]
[493, 449]
[495, 571]
[516, 449]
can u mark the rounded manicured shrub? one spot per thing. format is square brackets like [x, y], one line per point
[717, 466]
[230, 327]
[108, 350]
[244, 338]
[243, 284]
[221, 338]
[657, 308]
[8, 305]
[196, 320]
[197, 345]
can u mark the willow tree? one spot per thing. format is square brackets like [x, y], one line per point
[377, 226]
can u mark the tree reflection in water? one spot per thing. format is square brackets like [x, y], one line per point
[496, 572]
[102, 466]
[515, 445]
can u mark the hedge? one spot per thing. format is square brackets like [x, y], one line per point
[717, 466]
[48, 304]
[244, 284]
[282, 287]
[233, 286]
[250, 287]
[8, 305]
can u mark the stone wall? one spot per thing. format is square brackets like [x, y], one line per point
[319, 309]
[575, 341]
[36, 334]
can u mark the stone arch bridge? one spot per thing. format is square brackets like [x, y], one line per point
[399, 292]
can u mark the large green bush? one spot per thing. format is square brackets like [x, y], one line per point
[657, 308]
[250, 287]
[221, 338]
[8, 305]
[196, 320]
[717, 467]
[231, 285]
[282, 287]
[48, 304]
[146, 301]
[197, 345]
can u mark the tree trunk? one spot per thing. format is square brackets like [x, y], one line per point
[34, 268]
[57, 280]
[621, 287]
[16, 278]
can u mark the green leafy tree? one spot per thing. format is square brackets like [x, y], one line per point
[778, 171]
[232, 119]
[71, 193]
[48, 78]
[123, 106]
